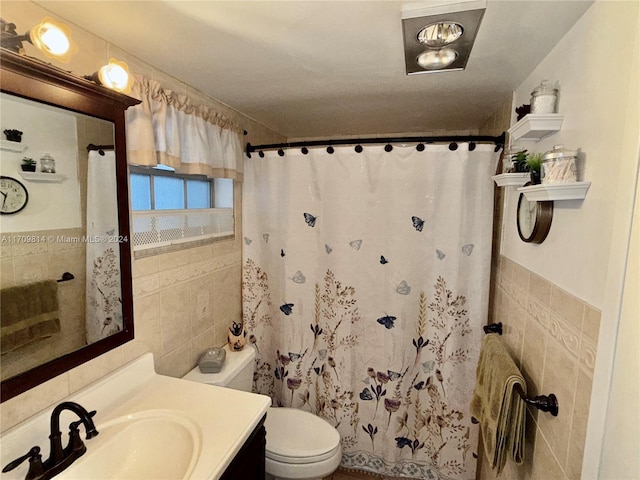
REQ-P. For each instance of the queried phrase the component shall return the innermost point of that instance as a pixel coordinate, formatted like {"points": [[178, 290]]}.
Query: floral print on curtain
{"points": [[370, 315]]}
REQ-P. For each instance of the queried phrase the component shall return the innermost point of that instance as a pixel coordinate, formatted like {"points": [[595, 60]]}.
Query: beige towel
{"points": [[28, 313], [495, 404]]}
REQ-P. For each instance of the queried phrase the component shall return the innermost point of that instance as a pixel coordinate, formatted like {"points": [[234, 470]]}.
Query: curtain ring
{"points": [[261, 154], [420, 147], [453, 146], [358, 149], [304, 150], [472, 146], [388, 147], [281, 152], [330, 149]]}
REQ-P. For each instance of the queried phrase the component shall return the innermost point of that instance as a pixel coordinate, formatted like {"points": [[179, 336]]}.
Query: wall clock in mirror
{"points": [[533, 219], [13, 195]]}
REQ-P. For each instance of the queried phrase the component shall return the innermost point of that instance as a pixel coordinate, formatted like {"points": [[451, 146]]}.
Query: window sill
{"points": [[175, 247]]}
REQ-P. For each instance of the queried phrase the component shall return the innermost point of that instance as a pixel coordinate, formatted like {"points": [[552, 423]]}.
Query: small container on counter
{"points": [[559, 165], [544, 98]]}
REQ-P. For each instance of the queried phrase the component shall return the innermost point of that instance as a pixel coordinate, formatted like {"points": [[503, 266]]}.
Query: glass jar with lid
{"points": [[544, 98], [559, 165], [47, 164], [509, 159]]}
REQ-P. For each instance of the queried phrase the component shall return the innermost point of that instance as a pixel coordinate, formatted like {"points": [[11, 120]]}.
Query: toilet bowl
{"points": [[300, 445]]}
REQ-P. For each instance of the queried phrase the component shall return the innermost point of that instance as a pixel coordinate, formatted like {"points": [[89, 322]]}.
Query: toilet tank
{"points": [[236, 372]]}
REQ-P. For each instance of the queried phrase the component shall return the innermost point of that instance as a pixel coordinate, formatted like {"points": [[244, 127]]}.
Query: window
{"points": [[171, 208]]}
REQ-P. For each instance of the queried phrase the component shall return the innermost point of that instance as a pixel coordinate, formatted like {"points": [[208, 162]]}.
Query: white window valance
{"points": [[169, 129]]}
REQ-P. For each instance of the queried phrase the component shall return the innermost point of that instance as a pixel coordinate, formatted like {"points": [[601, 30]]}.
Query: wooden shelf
{"points": [[43, 177], [15, 147], [534, 127], [511, 179], [556, 191]]}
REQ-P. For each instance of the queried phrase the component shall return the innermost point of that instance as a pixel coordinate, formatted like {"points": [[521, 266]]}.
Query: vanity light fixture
{"points": [[436, 40], [52, 38], [114, 75]]}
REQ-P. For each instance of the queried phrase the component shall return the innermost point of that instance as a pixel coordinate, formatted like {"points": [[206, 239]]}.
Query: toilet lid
{"points": [[296, 436]]}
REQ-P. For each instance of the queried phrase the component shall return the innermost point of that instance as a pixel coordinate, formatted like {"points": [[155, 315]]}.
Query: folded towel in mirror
{"points": [[28, 313]]}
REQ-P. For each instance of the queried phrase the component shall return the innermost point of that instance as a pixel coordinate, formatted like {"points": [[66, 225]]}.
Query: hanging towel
{"points": [[497, 406], [28, 313]]}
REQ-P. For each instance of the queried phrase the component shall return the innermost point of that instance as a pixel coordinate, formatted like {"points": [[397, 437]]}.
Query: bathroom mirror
{"points": [[68, 244]]}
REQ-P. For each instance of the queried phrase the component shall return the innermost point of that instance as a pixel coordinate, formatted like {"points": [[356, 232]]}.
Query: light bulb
{"points": [[53, 39], [437, 59], [440, 34], [115, 75]]}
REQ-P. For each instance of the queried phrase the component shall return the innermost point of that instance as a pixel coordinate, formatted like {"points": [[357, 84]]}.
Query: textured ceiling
{"points": [[322, 68]]}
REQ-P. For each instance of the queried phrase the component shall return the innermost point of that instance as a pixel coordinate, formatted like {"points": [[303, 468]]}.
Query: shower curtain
{"points": [[365, 288], [103, 289]]}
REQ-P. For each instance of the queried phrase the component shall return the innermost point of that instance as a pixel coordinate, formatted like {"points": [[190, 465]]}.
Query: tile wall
{"points": [[553, 337]]}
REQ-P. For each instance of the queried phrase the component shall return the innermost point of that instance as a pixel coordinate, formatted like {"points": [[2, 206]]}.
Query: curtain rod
{"points": [[498, 141], [99, 148]]}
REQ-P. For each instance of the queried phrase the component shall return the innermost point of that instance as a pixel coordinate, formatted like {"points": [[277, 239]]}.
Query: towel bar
{"points": [[546, 403], [66, 276], [493, 328]]}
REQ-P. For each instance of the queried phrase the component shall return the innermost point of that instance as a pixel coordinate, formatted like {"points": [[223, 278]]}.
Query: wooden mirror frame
{"points": [[35, 80]]}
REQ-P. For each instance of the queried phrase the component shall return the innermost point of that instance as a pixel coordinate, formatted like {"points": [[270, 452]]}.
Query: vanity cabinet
{"points": [[249, 462]]}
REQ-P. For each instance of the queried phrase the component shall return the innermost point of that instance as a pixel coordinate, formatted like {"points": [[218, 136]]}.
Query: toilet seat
{"points": [[298, 437]]}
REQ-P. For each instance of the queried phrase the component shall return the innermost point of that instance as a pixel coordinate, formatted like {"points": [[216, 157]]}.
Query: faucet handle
{"points": [[36, 469], [75, 443]]}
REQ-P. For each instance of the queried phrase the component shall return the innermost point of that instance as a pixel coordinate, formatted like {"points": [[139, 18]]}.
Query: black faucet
{"points": [[59, 458]]}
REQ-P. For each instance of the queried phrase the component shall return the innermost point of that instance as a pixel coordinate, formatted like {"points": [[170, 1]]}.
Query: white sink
{"points": [[151, 427], [152, 444]]}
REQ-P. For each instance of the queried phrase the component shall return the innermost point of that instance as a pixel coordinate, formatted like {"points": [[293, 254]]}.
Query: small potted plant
{"points": [[28, 165], [13, 135], [520, 161], [534, 165]]}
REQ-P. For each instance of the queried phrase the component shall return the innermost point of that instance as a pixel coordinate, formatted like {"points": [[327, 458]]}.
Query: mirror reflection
{"points": [[60, 275]]}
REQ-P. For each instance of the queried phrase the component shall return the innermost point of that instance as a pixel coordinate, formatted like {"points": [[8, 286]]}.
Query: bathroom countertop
{"points": [[226, 418]]}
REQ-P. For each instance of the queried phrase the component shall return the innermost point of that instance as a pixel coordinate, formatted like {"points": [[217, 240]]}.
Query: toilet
{"points": [[300, 445]]}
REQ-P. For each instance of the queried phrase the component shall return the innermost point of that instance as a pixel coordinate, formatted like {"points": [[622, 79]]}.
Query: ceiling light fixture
{"points": [[50, 37], [115, 75], [436, 40]]}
